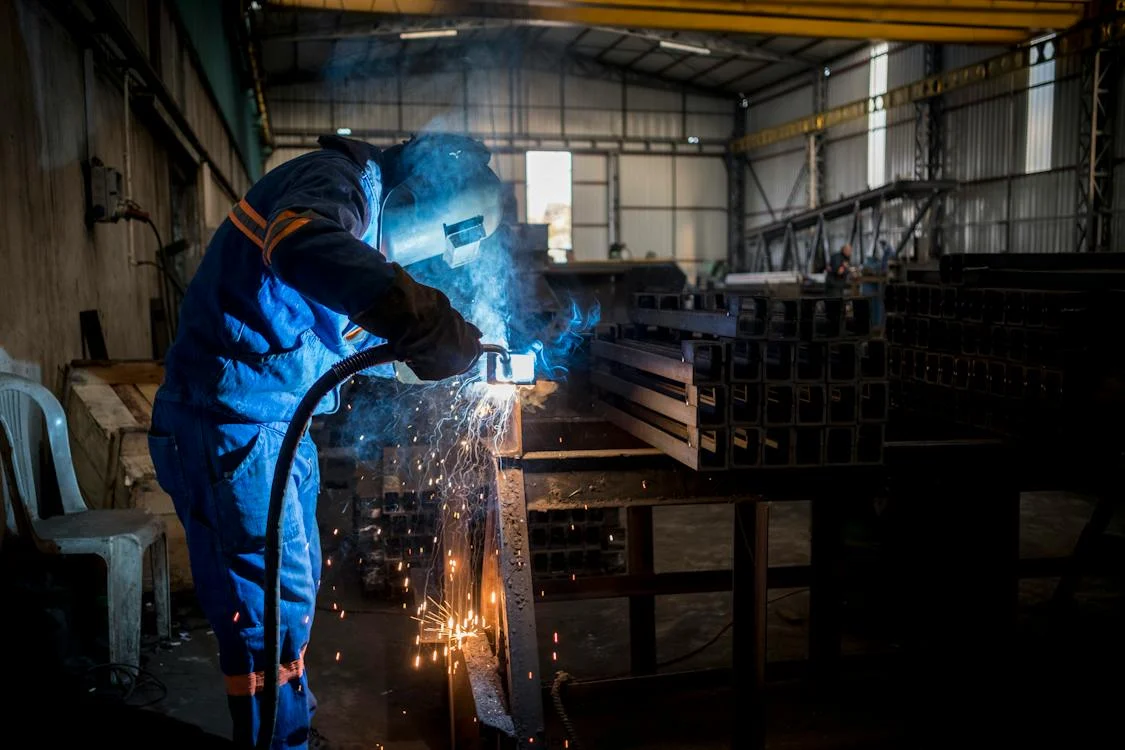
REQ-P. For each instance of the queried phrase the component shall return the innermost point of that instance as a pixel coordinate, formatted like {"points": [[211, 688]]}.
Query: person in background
{"points": [[838, 273], [876, 267]]}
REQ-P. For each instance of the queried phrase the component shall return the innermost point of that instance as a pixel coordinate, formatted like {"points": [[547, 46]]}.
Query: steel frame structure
{"points": [[925, 193], [1100, 69], [909, 20], [498, 684], [1072, 42]]}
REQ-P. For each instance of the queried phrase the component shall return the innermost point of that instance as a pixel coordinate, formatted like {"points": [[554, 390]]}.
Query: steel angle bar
{"points": [[720, 324], [694, 362], [519, 651], [695, 448], [699, 405]]}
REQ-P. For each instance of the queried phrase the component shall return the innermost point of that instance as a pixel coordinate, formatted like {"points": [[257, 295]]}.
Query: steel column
{"points": [[816, 142], [1094, 216], [929, 152], [736, 197], [748, 604], [642, 608]]}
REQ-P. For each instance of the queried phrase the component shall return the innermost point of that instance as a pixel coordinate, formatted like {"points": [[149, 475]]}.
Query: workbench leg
{"points": [[825, 615], [642, 609], [748, 605]]}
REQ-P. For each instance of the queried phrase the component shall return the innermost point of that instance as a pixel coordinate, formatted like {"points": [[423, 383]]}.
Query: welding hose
{"points": [[324, 385], [339, 372]]}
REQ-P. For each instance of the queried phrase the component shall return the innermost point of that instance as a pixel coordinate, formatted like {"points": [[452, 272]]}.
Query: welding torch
{"points": [[501, 367]]}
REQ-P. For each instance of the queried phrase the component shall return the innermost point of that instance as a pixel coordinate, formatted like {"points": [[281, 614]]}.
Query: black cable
{"points": [[561, 678], [299, 424], [132, 679], [697, 651]]}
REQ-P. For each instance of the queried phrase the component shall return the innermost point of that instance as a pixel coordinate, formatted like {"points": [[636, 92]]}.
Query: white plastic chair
{"points": [[120, 537]]}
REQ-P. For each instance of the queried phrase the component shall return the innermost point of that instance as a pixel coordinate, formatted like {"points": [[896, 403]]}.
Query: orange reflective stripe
{"points": [[254, 215], [255, 682], [241, 226], [353, 333], [286, 223]]}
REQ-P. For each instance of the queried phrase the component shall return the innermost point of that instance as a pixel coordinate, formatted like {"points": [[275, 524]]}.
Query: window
{"points": [[1040, 106], [877, 119], [549, 196]]}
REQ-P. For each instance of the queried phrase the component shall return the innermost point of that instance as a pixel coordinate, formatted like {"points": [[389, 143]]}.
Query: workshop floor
{"points": [[371, 696]]}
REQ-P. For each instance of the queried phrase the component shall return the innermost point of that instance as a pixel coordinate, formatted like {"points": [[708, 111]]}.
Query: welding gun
{"points": [[501, 367]]}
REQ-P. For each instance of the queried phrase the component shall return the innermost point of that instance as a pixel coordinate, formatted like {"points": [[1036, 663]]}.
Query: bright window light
{"points": [[550, 195], [343, 131], [877, 119], [1040, 107]]}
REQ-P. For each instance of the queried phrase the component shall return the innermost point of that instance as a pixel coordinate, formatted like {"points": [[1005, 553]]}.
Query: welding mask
{"points": [[446, 201]]}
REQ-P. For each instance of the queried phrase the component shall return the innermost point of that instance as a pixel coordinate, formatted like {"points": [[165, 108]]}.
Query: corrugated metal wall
{"points": [[999, 207], [669, 197], [780, 187], [55, 109]]}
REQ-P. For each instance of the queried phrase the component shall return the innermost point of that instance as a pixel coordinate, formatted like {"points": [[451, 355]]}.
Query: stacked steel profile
{"points": [[1011, 344], [721, 380]]}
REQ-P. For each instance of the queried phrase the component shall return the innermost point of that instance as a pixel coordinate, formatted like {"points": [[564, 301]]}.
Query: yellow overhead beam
{"points": [[947, 21], [1070, 43]]}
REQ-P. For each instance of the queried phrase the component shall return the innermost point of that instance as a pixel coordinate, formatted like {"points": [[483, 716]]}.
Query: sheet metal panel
{"points": [[589, 167], [585, 92], [780, 109], [709, 125], [845, 164], [646, 180], [700, 235], [590, 243], [700, 182], [584, 121], [647, 230], [1043, 208], [900, 150], [590, 204], [777, 175], [979, 141]]}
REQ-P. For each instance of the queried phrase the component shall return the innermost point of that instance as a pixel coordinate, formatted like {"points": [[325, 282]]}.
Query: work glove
{"points": [[423, 328]]}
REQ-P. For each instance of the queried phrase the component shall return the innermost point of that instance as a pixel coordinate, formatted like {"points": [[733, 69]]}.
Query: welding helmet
{"points": [[445, 200]]}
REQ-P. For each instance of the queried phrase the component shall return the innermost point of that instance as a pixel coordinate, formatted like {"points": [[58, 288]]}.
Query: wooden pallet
{"points": [[108, 407]]}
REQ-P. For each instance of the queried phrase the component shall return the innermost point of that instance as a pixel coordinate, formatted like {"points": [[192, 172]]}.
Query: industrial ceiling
{"points": [[715, 46]]}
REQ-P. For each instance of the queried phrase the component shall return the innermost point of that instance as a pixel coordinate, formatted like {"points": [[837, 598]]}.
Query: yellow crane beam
{"points": [[943, 21], [1070, 43]]}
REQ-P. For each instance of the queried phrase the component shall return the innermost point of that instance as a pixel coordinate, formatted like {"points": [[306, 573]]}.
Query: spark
{"points": [[337, 656], [417, 661], [236, 617]]}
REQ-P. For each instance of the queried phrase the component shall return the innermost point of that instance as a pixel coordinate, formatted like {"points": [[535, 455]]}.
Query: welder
{"points": [[307, 269]]}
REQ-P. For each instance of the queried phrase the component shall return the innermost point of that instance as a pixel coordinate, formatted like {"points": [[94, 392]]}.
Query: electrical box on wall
{"points": [[103, 192]]}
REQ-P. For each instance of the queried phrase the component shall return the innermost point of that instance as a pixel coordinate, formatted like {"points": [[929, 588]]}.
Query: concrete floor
{"points": [[371, 696]]}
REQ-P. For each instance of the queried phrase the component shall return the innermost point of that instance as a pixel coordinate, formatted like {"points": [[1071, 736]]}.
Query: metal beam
{"points": [[1100, 68], [384, 29], [962, 21], [481, 55], [1073, 42], [737, 167]]}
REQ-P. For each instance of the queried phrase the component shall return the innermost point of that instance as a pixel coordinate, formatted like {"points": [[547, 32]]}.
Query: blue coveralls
{"points": [[265, 315]]}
